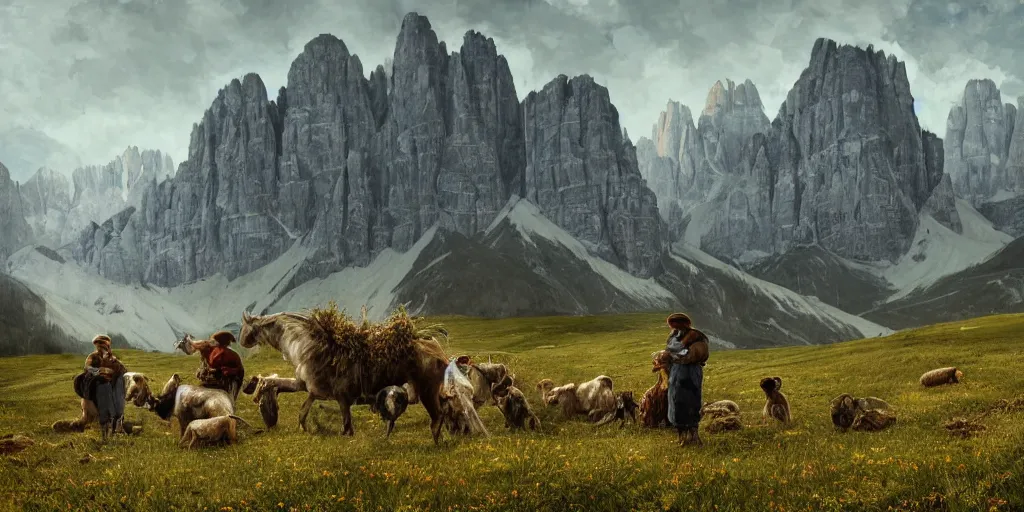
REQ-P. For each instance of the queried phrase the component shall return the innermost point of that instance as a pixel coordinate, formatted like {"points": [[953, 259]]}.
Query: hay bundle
{"points": [[378, 351], [724, 423]]}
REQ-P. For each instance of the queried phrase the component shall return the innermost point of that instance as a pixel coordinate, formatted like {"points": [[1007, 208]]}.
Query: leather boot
{"points": [[695, 437]]}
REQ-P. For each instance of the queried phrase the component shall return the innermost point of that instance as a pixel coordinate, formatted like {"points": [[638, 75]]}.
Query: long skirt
{"points": [[684, 395], [110, 400]]}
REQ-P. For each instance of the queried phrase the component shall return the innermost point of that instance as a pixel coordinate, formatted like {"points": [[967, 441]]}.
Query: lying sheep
{"points": [[594, 398], [942, 376], [209, 431], [719, 409]]}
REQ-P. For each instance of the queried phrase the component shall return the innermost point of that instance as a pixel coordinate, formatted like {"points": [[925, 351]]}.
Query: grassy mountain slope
{"points": [[568, 466]]}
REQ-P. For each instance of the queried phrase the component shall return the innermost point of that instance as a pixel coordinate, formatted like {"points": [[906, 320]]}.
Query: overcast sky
{"points": [[99, 75]]}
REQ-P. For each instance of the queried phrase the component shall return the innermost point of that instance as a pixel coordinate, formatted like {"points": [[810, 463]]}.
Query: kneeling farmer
{"points": [[222, 367], [688, 348]]}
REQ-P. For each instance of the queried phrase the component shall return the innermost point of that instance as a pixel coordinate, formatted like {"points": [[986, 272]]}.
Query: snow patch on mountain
{"points": [[373, 285], [530, 222], [937, 251], [786, 300]]}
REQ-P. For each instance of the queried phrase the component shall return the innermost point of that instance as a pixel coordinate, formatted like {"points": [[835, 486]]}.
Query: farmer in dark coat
{"points": [[688, 348], [107, 373]]}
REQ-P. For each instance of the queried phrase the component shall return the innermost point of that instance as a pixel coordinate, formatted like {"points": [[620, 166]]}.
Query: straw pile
{"points": [[374, 346]]}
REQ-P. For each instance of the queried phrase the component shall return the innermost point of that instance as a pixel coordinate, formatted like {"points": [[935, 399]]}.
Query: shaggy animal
{"points": [[265, 398], [873, 420], [483, 376], [654, 403], [724, 423], [594, 398], [941, 376], [189, 403], [210, 431], [516, 410], [544, 387], [391, 402], [625, 406], [776, 404], [137, 392], [329, 368], [719, 409], [863, 414]]}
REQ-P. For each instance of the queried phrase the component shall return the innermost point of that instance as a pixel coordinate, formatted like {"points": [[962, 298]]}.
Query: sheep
{"points": [[390, 403], [211, 431], [483, 376], [869, 414], [719, 409], [776, 404], [595, 398], [942, 376], [189, 403], [544, 387], [625, 406]]}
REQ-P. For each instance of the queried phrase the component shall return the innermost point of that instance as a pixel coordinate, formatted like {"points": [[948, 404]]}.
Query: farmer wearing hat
{"points": [[222, 367], [108, 372], [688, 351]]}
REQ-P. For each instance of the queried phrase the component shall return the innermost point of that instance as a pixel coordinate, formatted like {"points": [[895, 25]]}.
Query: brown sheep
{"points": [[210, 431], [724, 423], [942, 376], [862, 414], [776, 404], [654, 403], [594, 398]]}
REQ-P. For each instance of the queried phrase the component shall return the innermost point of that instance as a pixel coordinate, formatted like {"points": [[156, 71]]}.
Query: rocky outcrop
{"points": [[942, 205], [583, 174], [14, 231], [979, 133], [682, 162], [58, 209], [845, 166], [351, 166], [47, 199], [985, 154]]}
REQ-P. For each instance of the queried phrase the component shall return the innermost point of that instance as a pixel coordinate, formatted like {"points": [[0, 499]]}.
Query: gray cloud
{"points": [[99, 75]]}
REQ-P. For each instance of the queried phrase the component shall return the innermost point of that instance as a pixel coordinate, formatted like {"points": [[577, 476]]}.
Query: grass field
{"points": [[915, 465]]}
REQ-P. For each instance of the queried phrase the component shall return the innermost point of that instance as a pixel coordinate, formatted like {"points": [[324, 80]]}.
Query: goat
{"points": [[595, 398]]}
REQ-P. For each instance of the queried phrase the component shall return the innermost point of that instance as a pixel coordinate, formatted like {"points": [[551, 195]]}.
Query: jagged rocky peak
{"points": [[730, 97], [675, 123], [845, 166], [582, 177], [352, 165], [980, 131], [46, 190]]}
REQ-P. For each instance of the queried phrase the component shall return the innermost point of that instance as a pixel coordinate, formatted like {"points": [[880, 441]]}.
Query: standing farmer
{"points": [[108, 371], [688, 348]]}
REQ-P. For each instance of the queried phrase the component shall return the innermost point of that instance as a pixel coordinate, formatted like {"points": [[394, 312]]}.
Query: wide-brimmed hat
{"points": [[679, 318], [224, 338], [101, 339]]}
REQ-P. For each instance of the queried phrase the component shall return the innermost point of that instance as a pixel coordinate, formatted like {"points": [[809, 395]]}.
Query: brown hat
{"points": [[224, 338], [679, 318], [101, 339]]}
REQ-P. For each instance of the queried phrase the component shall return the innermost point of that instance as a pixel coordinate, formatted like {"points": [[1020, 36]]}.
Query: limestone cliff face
{"points": [[984, 153], [845, 166], [683, 161], [352, 165]]}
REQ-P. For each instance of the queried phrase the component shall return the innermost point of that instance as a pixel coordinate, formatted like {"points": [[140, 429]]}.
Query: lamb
{"points": [[595, 398], [211, 431], [513, 405], [942, 376], [719, 409]]}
